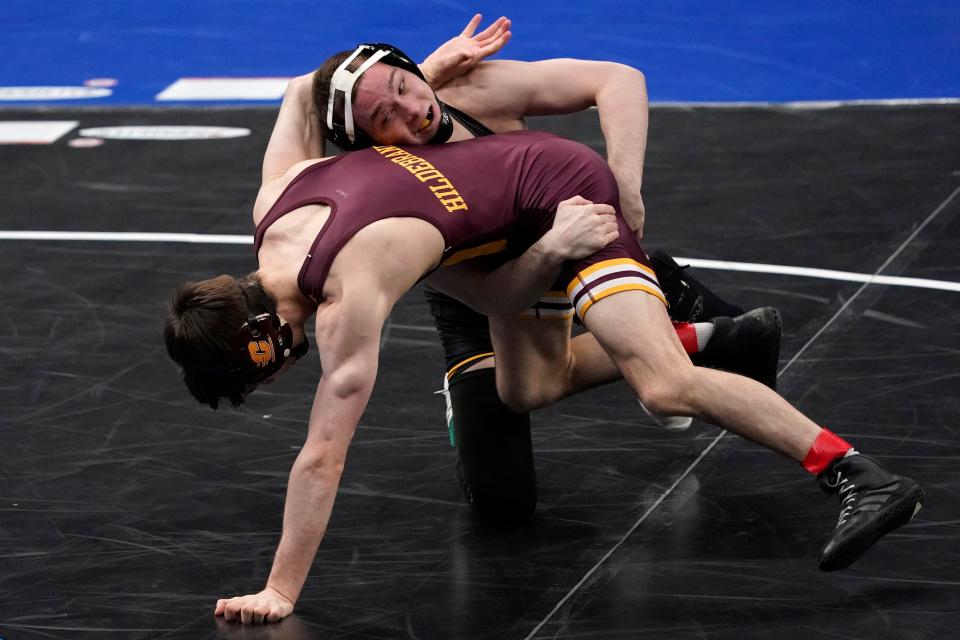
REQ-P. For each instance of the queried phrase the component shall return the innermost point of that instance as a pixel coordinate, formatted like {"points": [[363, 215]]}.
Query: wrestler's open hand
{"points": [[581, 228], [461, 53], [266, 606]]}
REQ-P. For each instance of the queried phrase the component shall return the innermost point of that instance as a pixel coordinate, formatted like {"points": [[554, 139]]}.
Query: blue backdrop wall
{"points": [[691, 50]]}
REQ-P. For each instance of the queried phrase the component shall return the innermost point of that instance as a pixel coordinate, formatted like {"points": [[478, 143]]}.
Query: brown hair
{"points": [[203, 319], [321, 86]]}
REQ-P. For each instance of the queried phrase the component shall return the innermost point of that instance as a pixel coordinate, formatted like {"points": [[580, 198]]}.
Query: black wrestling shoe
{"points": [[689, 299], [748, 345], [873, 502]]}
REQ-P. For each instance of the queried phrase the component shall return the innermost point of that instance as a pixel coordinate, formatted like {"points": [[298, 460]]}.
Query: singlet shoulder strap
{"points": [[290, 200], [473, 125]]}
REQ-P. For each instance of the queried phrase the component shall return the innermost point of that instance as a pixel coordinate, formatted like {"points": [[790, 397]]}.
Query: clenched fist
{"points": [[266, 606]]}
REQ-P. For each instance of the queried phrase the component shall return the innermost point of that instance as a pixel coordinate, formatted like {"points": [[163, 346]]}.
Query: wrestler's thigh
{"points": [[592, 366], [532, 355], [522, 343], [634, 328]]}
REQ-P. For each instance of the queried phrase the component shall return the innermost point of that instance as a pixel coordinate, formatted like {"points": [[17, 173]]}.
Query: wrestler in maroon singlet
{"points": [[485, 196]]}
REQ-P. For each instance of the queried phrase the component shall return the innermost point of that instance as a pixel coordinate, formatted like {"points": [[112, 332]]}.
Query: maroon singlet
{"points": [[487, 195]]}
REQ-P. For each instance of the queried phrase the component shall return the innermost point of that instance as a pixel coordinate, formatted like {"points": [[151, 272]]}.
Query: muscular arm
{"points": [[503, 91], [509, 289], [348, 338], [579, 228], [296, 136], [347, 335]]}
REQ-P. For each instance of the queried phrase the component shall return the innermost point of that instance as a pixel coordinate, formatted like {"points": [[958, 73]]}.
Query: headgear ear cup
{"points": [[252, 325], [261, 348]]}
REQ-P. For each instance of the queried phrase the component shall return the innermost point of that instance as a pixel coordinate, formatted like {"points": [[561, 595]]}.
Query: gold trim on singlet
{"points": [[456, 368], [483, 250]]}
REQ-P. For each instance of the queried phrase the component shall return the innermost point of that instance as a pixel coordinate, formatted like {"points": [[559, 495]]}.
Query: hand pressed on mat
{"points": [[267, 606]]}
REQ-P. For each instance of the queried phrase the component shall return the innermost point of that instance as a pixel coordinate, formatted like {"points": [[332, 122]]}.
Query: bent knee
{"points": [[526, 395], [540, 387], [521, 398], [670, 395]]}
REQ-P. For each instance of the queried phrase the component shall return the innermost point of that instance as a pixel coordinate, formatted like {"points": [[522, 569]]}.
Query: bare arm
{"points": [[510, 90], [347, 336], [349, 341], [507, 290], [296, 135], [579, 229]]}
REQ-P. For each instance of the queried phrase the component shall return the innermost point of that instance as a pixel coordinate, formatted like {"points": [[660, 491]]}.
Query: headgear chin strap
{"points": [[262, 346], [445, 130], [340, 123]]}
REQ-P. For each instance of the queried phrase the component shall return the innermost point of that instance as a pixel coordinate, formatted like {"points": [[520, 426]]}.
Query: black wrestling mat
{"points": [[128, 509]]}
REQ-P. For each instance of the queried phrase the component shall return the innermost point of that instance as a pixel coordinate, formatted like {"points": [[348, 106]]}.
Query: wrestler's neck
{"points": [[460, 132], [292, 306], [497, 122]]}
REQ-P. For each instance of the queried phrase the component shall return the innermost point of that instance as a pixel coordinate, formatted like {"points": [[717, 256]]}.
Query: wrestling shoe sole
{"points": [[886, 520]]}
